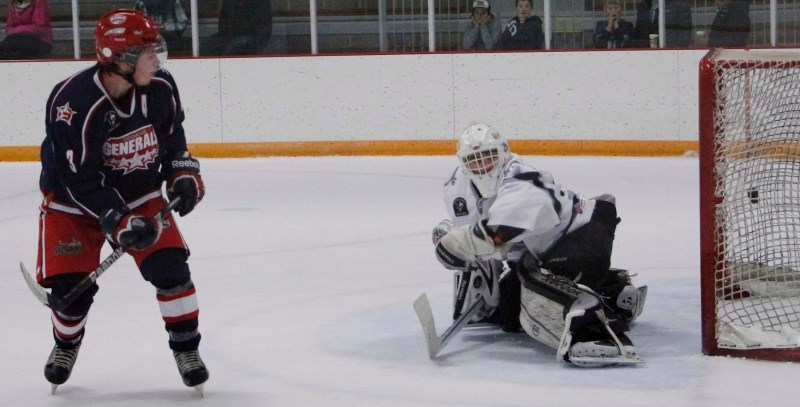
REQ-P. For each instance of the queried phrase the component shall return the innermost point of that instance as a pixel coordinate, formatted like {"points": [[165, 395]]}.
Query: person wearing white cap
{"points": [[484, 28]]}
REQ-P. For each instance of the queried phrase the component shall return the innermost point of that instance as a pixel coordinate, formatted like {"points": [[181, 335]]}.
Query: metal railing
{"points": [[399, 26]]}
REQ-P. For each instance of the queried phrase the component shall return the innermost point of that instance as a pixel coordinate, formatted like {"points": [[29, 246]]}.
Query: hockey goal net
{"points": [[750, 203]]}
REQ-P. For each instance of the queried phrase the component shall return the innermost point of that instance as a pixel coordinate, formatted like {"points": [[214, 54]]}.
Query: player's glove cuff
{"points": [[184, 181], [128, 230]]}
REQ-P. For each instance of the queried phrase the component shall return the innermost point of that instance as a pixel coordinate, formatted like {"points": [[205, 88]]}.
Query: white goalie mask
{"points": [[482, 154]]}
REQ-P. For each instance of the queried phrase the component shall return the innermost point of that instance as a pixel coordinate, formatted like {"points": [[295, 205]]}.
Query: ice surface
{"points": [[307, 268]]}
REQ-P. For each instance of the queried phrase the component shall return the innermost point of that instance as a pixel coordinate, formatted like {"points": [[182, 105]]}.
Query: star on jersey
{"points": [[65, 114], [138, 161]]}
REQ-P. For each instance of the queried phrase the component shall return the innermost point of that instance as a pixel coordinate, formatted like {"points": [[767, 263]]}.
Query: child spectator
{"points": [[613, 32], [28, 31], [523, 31], [484, 28]]}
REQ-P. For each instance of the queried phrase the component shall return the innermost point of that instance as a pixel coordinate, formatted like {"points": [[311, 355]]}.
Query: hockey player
{"points": [[557, 244], [114, 134]]}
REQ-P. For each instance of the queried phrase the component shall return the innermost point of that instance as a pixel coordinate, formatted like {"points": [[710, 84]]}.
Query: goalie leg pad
{"points": [[483, 281], [553, 307], [541, 317]]}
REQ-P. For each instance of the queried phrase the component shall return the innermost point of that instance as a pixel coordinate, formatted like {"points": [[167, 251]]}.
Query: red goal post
{"points": [[750, 203]]}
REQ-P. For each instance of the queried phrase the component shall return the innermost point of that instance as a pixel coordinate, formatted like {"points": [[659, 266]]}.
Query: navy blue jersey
{"points": [[100, 153]]}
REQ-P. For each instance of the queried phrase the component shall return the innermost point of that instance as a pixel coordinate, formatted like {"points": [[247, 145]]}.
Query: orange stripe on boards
{"points": [[442, 147], [406, 147], [323, 148], [19, 153], [632, 148]]}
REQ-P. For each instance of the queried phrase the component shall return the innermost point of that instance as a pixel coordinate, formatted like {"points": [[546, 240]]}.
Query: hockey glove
{"points": [[135, 232], [441, 229], [465, 244], [184, 181]]}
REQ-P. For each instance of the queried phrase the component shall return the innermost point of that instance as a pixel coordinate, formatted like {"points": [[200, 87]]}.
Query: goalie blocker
{"points": [[572, 319]]}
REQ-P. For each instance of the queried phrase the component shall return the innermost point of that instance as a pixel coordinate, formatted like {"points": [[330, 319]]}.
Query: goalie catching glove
{"points": [[129, 230], [184, 181], [465, 244]]}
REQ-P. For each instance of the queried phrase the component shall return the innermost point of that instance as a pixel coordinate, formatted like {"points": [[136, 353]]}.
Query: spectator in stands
{"points": [[171, 17], [484, 28], [524, 31], [28, 31], [245, 27], [678, 22], [613, 32], [731, 26]]}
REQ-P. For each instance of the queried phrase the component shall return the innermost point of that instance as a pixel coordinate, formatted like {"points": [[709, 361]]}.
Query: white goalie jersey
{"points": [[527, 199]]}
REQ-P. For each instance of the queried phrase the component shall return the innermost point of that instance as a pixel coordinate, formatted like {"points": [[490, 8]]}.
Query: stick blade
{"points": [[43, 296], [423, 309]]}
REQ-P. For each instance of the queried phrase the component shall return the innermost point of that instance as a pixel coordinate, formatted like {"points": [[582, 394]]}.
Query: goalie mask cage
{"points": [[750, 204]]}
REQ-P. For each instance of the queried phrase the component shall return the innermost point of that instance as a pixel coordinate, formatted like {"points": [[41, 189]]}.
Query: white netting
{"points": [[757, 166]]}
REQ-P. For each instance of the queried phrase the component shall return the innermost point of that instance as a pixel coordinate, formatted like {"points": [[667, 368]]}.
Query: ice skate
{"points": [[59, 365], [192, 369]]}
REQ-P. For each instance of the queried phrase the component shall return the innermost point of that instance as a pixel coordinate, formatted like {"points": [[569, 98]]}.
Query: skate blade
{"points": [[605, 361]]}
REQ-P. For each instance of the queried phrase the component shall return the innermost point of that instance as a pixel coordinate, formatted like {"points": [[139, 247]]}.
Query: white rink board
{"points": [[338, 98], [199, 86], [576, 95], [590, 95]]}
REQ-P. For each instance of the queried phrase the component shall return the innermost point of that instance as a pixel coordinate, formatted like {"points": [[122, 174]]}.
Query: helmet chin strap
{"points": [[127, 76]]}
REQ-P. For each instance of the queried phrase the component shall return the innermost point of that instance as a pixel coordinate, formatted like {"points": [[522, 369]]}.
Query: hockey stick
{"points": [[436, 343], [60, 303]]}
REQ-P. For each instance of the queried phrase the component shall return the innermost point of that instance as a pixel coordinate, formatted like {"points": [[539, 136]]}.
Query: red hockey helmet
{"points": [[120, 35]]}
